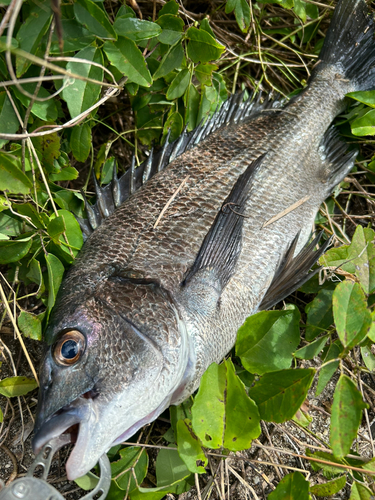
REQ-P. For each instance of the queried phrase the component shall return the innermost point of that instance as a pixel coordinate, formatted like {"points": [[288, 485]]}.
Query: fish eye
{"points": [[69, 348]]}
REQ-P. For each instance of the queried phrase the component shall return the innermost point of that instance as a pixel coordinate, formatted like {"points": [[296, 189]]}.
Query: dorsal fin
{"points": [[109, 197], [222, 245], [293, 271]]}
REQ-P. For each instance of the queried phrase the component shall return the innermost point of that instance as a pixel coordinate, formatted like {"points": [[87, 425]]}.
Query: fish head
{"points": [[112, 365]]}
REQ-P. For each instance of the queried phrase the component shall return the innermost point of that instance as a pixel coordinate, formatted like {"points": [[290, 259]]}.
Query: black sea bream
{"points": [[190, 244]]}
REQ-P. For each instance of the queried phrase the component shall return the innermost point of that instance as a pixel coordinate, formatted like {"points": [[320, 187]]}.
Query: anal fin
{"points": [[221, 246], [293, 271]]}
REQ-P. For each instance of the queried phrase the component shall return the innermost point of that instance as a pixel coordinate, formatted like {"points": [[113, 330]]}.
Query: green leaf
{"points": [[267, 340], [9, 123], [127, 58], [368, 357], [346, 416], [10, 225], [81, 95], [171, 60], [209, 102], [65, 174], [31, 32], [280, 394], [136, 29], [66, 222], [191, 99], [330, 488], [319, 314], [223, 414], [12, 179], [170, 467], [292, 487], [311, 350], [329, 471], [205, 25], [364, 125], [175, 124], [179, 85], [55, 274], [219, 84], [31, 325], [75, 37], [189, 447], [337, 257], [45, 110], [48, 148], [204, 73], [172, 29], [17, 386], [80, 141], [241, 11], [360, 492], [365, 96], [170, 7], [352, 318], [94, 19], [361, 253], [35, 275], [202, 46], [133, 461], [15, 250], [87, 482]]}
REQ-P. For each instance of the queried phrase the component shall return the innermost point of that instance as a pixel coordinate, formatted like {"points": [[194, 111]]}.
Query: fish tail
{"points": [[349, 44]]}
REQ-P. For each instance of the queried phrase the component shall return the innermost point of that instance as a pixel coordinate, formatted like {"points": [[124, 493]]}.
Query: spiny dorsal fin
{"points": [[221, 246], [293, 271], [109, 197]]}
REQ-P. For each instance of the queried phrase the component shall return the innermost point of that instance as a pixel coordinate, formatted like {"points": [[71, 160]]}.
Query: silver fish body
{"points": [[156, 296]]}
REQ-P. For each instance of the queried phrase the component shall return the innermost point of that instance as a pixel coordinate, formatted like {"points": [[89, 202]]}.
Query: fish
{"points": [[182, 249]]}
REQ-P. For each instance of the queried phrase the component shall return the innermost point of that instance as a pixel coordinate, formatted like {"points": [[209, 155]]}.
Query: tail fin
{"points": [[350, 43]]}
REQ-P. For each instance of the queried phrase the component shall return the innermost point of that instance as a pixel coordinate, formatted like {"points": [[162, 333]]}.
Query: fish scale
{"points": [[217, 231]]}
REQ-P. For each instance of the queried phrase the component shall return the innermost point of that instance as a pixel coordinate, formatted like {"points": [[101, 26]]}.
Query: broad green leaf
{"points": [[337, 257], [191, 99], [368, 357], [45, 110], [94, 19], [12, 179], [65, 174], [55, 274], [360, 492], [136, 29], [1, 416], [127, 58], [361, 253], [66, 222], [223, 414], [17, 386], [172, 29], [9, 123], [48, 148], [80, 141], [170, 7], [319, 314], [241, 11], [352, 318], [327, 371], [219, 84], [171, 60], [4, 204], [205, 25], [202, 47], [14, 250], [309, 351], [159, 493], [329, 471], [330, 488], [87, 482], [170, 468], [31, 32], [209, 102], [179, 85], [189, 448], [133, 461], [75, 37], [364, 125], [204, 73], [31, 325], [280, 394], [293, 486], [175, 124], [29, 212], [81, 95], [365, 96], [267, 340], [180, 412], [10, 226], [346, 416], [35, 275]]}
